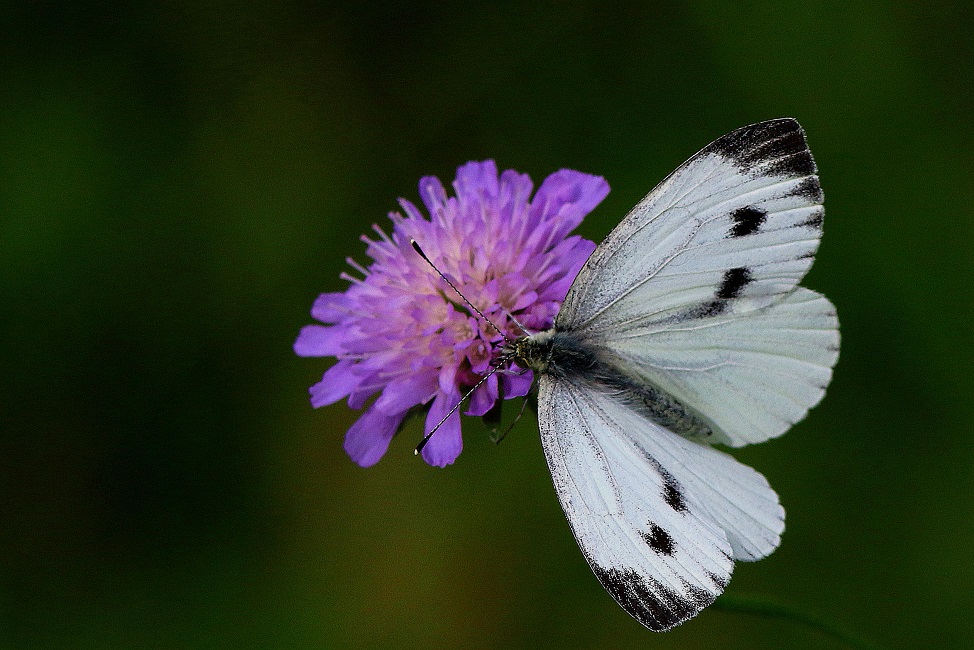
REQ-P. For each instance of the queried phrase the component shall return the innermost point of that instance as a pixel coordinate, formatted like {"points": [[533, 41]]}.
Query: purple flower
{"points": [[401, 331]]}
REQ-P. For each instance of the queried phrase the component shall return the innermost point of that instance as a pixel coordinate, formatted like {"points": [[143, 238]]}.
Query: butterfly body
{"points": [[566, 357], [686, 327]]}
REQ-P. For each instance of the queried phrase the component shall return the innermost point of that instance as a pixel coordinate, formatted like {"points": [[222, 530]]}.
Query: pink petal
{"points": [[448, 378], [475, 179], [447, 443], [570, 195], [320, 341], [517, 384], [330, 307], [368, 439], [411, 210], [526, 299], [515, 191], [402, 394], [433, 193], [484, 397], [337, 382]]}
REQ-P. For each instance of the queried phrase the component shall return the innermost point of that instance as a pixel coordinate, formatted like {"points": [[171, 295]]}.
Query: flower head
{"points": [[402, 332]]}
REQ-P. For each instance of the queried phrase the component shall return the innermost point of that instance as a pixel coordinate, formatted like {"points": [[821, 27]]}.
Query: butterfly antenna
{"points": [[463, 399], [419, 250], [517, 418], [526, 331]]}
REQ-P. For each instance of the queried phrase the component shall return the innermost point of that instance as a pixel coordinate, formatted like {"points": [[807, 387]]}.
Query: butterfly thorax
{"points": [[566, 356], [553, 353]]}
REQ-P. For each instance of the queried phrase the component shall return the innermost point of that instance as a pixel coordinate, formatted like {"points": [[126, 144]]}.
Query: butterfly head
{"points": [[531, 351]]}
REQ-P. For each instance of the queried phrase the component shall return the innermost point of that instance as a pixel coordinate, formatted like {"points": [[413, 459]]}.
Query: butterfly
{"points": [[686, 328]]}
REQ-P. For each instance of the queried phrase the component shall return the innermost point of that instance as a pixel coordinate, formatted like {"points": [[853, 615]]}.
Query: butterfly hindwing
{"points": [[658, 517], [751, 375]]}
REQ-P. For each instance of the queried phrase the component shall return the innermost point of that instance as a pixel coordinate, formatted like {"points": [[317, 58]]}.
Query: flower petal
{"points": [[517, 383], [475, 180], [337, 382], [484, 397], [330, 307], [410, 209], [319, 341], [572, 262], [433, 193], [447, 443], [525, 300], [368, 439], [569, 195], [402, 394], [448, 379]]}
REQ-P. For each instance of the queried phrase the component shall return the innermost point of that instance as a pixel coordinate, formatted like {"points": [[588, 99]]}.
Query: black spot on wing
{"points": [[747, 221], [706, 310], [673, 496], [733, 283], [672, 490], [777, 145], [659, 540], [648, 601], [731, 287]]}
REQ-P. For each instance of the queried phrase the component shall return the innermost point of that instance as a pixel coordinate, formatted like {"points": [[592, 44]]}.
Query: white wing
{"points": [[658, 517], [750, 200], [695, 292], [751, 375]]}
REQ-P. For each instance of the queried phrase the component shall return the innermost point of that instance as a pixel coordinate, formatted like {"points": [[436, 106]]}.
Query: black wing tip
{"points": [[651, 603], [778, 146], [809, 189], [778, 127]]}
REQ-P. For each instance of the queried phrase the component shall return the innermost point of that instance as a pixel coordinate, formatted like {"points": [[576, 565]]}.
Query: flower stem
{"points": [[771, 609]]}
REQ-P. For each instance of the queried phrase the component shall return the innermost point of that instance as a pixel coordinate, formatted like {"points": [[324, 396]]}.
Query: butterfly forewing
{"points": [[695, 291], [740, 219]]}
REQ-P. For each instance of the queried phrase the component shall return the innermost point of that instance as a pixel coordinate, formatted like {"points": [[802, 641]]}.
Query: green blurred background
{"points": [[179, 180]]}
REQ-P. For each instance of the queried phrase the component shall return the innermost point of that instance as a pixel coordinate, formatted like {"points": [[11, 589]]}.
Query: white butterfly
{"points": [[685, 328]]}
